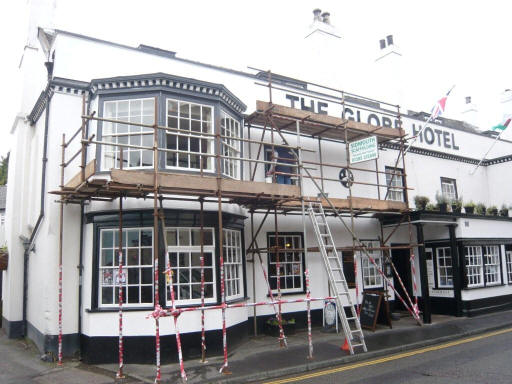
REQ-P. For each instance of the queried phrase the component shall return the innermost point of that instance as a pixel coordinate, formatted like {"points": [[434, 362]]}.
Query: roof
{"points": [[3, 196]]}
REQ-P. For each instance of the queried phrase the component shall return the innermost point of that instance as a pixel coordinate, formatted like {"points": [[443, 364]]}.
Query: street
{"points": [[481, 359]]}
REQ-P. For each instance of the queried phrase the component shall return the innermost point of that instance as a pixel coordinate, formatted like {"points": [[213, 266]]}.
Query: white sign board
{"points": [[363, 150]]}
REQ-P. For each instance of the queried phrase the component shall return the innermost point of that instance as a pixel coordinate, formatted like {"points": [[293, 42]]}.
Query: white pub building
{"points": [[462, 264]]}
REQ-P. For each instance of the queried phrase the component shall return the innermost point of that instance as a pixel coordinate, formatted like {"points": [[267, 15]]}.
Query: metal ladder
{"points": [[337, 281]]}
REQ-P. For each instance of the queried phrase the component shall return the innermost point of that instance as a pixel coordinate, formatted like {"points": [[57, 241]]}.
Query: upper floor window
{"points": [[395, 183], [230, 132], [129, 111], [195, 120], [449, 188]]}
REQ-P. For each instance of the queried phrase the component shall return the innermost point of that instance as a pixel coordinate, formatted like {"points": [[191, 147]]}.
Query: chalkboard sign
{"points": [[374, 309], [370, 308]]}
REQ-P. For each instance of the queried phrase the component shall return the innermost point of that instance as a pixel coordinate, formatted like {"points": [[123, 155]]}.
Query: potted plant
{"points": [[430, 207], [504, 211], [272, 326], [421, 202], [4, 258], [469, 207], [480, 209], [492, 211], [457, 205], [442, 202]]}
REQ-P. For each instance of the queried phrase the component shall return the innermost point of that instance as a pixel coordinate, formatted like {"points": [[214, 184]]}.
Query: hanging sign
{"points": [[363, 150]]}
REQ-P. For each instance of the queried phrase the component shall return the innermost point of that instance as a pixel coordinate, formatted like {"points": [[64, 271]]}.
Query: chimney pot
{"points": [[389, 38], [316, 14], [326, 17], [468, 99], [382, 43]]}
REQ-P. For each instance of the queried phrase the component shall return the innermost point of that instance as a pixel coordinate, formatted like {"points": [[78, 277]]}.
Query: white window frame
{"points": [[508, 260], [444, 269], [492, 260], [287, 262], [114, 251], [230, 127], [370, 275], [210, 248], [135, 135], [202, 139], [449, 188], [395, 194], [474, 264], [233, 264]]}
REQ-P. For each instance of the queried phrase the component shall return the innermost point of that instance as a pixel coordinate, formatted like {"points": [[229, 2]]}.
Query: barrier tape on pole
{"points": [[279, 316], [281, 331], [224, 369], [60, 316], [415, 286], [120, 278], [308, 297], [157, 326], [175, 313], [358, 307]]}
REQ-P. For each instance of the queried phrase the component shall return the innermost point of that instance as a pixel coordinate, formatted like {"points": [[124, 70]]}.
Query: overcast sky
{"points": [[466, 43]]}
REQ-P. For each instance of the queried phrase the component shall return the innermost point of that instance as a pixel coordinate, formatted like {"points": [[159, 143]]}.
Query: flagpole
{"points": [[486, 153]]}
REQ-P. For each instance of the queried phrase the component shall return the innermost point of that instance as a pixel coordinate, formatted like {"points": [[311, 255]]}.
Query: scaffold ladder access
{"points": [[337, 281]]}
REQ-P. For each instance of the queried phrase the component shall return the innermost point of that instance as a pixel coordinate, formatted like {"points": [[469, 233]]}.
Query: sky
{"points": [[443, 43]]}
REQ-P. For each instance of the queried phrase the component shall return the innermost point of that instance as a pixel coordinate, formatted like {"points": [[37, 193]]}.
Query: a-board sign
{"points": [[363, 150], [372, 305]]}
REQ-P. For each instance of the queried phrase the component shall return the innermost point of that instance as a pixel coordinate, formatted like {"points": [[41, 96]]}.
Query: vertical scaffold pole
{"points": [[203, 336], [155, 241], [277, 250], [224, 369], [308, 298], [119, 374], [61, 238]]}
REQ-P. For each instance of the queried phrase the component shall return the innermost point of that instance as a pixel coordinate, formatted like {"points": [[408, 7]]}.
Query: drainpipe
{"points": [[29, 245]]}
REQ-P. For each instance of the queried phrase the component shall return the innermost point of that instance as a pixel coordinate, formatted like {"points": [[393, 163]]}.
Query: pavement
{"points": [[258, 359]]}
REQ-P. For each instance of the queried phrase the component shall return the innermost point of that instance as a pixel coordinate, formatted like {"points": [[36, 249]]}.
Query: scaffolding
{"points": [[277, 124]]}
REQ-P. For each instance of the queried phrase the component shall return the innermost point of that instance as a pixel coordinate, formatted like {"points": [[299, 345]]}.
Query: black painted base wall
{"points": [[13, 329], [486, 305], [300, 320], [141, 349]]}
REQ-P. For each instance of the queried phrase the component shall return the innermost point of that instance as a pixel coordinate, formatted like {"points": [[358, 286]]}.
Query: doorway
{"points": [[400, 258]]}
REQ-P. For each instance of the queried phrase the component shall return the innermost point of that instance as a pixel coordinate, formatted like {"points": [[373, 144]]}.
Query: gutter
{"points": [[29, 245]]}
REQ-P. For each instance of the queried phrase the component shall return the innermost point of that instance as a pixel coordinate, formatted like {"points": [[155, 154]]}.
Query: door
{"points": [[400, 258]]}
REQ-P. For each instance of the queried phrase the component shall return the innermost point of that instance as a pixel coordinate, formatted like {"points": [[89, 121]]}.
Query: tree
{"points": [[4, 166]]}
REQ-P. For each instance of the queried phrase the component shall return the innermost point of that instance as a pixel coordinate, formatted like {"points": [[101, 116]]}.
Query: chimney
{"points": [[389, 39], [326, 17], [388, 73], [316, 15], [382, 43], [470, 111]]}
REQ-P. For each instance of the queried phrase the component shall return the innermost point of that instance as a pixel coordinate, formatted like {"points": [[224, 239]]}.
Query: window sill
{"points": [[287, 293], [116, 309]]}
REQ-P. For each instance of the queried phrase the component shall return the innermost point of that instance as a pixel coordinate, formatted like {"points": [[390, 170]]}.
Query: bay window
{"points": [[128, 111], [196, 120], [232, 244], [137, 278], [230, 130]]}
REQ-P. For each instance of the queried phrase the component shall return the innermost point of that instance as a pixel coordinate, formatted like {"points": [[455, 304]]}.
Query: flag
{"points": [[503, 125], [440, 106]]}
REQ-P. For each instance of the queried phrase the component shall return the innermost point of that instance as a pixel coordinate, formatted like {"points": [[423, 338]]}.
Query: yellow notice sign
{"points": [[363, 150]]}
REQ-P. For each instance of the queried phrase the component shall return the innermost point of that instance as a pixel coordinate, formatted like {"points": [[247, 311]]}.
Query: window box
{"points": [[272, 327]]}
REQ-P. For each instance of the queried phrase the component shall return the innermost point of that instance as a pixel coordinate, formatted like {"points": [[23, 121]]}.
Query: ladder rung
{"points": [[351, 318], [339, 281]]}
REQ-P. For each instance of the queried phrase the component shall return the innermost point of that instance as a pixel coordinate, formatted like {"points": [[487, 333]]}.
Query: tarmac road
{"points": [[485, 358]]}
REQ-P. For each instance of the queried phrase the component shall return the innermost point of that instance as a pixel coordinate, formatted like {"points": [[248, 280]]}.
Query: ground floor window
{"points": [[232, 244], [492, 264], [184, 255], [508, 255], [483, 265], [137, 278], [291, 262], [444, 267], [371, 275]]}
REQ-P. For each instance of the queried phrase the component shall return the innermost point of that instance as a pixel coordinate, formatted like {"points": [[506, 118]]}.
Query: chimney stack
{"points": [[316, 15], [326, 17], [470, 112]]}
